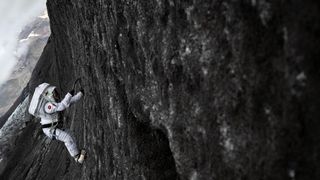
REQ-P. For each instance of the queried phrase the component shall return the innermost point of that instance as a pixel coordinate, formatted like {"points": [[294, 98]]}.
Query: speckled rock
{"points": [[181, 90]]}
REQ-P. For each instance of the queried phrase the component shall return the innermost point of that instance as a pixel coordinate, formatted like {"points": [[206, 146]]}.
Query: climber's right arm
{"points": [[76, 97]]}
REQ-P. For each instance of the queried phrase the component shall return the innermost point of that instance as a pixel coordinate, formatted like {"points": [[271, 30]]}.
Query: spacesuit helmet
{"points": [[52, 94]]}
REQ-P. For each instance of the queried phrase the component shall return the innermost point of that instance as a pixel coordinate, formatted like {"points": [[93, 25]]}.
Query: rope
{"points": [[53, 128], [77, 81]]}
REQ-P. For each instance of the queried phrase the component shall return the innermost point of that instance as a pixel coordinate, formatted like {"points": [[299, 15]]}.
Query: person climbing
{"points": [[44, 104]]}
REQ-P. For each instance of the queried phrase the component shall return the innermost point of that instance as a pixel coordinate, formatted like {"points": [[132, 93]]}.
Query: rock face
{"points": [[14, 125], [181, 90]]}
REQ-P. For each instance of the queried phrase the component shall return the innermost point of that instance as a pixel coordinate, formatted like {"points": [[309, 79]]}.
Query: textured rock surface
{"points": [[10, 131], [181, 90]]}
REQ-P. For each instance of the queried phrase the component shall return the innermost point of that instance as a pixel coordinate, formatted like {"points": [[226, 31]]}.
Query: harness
{"points": [[53, 127], [49, 125]]}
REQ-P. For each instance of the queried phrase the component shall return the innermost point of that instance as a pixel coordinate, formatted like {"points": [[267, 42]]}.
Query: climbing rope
{"points": [[77, 81]]}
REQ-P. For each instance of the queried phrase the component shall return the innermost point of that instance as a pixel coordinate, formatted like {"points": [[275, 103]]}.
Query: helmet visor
{"points": [[56, 95]]}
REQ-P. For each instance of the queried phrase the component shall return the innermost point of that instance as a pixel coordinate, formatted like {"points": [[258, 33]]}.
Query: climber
{"points": [[44, 105]]}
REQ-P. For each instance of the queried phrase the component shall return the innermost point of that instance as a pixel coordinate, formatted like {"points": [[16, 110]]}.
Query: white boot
{"points": [[80, 157]]}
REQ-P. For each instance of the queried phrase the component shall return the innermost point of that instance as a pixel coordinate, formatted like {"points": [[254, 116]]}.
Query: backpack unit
{"points": [[38, 101]]}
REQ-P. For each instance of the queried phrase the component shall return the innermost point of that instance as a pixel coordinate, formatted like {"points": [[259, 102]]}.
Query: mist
{"points": [[15, 14]]}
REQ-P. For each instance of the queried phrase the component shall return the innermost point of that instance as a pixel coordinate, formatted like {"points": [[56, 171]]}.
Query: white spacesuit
{"points": [[44, 105]]}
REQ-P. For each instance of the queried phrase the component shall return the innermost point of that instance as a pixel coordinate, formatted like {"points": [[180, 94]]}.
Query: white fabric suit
{"points": [[52, 108]]}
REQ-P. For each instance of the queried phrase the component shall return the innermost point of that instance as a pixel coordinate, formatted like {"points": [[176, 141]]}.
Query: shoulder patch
{"points": [[49, 107]]}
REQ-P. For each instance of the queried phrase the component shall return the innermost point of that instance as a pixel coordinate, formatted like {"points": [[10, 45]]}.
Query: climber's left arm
{"points": [[54, 107]]}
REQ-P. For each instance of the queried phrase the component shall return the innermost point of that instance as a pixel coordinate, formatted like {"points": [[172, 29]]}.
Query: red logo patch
{"points": [[49, 107]]}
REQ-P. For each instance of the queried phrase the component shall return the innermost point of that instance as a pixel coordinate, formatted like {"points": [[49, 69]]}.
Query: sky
{"points": [[14, 15]]}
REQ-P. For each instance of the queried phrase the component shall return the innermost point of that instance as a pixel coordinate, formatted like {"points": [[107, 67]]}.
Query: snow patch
{"points": [[119, 122], [265, 12], [189, 11], [292, 173], [226, 139], [226, 142], [253, 2], [194, 175], [188, 51], [33, 34], [204, 70], [301, 77], [267, 110], [44, 15]]}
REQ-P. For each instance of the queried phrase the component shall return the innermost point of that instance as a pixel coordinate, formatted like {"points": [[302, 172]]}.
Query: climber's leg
{"points": [[68, 141]]}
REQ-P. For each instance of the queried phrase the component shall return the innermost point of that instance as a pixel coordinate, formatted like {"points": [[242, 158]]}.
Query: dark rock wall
{"points": [[204, 89]]}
